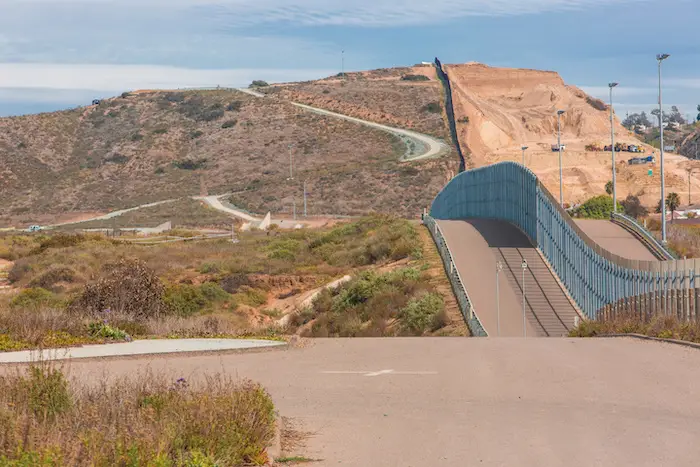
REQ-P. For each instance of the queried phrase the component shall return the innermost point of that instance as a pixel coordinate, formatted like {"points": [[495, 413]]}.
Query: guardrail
{"points": [[594, 277], [631, 225], [465, 304]]}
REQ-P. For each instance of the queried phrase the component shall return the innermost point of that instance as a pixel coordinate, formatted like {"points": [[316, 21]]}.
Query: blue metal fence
{"points": [[595, 278]]}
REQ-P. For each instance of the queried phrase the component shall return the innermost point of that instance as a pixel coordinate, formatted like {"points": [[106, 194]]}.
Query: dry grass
{"points": [[147, 419], [666, 327], [159, 145]]}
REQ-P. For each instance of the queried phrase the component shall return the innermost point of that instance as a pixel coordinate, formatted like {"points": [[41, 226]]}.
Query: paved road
{"points": [[463, 402], [477, 246], [615, 239]]}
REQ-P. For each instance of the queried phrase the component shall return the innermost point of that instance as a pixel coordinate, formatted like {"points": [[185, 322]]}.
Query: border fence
{"points": [[449, 109], [601, 283]]}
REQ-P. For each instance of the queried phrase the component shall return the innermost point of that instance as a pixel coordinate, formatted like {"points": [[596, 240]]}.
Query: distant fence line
{"points": [[596, 278], [449, 109]]}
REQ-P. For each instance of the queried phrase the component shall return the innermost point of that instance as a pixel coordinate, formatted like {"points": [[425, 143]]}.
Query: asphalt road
{"points": [[464, 402], [615, 239]]}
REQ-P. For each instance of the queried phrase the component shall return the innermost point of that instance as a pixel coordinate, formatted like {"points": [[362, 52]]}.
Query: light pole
{"points": [[524, 266], [524, 148], [304, 198], [660, 58], [612, 147], [561, 170], [499, 268], [291, 163]]}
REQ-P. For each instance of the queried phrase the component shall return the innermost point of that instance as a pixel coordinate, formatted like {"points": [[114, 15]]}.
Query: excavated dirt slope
{"points": [[507, 108]]}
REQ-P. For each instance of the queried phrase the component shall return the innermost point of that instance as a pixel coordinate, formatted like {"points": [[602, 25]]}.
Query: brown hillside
{"points": [[155, 145], [507, 108], [380, 96]]}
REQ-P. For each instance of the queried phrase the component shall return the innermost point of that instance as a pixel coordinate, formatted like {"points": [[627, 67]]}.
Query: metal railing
{"points": [[631, 225], [594, 277], [465, 303]]}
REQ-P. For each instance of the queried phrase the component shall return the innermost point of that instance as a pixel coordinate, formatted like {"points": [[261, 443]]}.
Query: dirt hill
{"points": [[151, 146], [501, 109]]}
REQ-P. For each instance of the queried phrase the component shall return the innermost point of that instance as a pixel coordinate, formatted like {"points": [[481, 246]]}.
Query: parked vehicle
{"points": [[555, 147], [34, 228], [636, 161]]}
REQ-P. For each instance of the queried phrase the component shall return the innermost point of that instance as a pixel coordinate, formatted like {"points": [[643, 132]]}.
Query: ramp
{"points": [[616, 239], [477, 245]]}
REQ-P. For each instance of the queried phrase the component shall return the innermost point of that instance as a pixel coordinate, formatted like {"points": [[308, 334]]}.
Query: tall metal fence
{"points": [[449, 110], [597, 279]]}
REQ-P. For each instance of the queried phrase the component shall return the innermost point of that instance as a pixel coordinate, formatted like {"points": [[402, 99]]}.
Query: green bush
{"points": [[433, 108], [251, 297], [35, 298], [258, 84], [599, 207], [234, 106], [196, 134], [411, 77], [160, 131], [229, 123], [105, 331], [187, 300], [423, 314], [46, 391], [190, 164]]}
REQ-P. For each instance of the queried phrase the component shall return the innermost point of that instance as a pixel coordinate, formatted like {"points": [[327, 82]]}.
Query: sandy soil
{"points": [[508, 108]]}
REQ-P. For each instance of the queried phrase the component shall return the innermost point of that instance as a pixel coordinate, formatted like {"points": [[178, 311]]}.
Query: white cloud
{"points": [[687, 83], [116, 78], [340, 12]]}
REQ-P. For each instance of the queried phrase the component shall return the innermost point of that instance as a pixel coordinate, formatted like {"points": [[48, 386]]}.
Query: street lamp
{"points": [[660, 58], [561, 170], [524, 267], [291, 163], [499, 268], [612, 147], [524, 148]]}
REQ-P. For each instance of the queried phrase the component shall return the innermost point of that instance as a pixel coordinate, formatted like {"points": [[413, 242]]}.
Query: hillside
{"points": [[151, 145], [408, 98], [502, 109]]}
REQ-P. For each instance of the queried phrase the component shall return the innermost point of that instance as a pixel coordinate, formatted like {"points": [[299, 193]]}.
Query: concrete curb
{"points": [[654, 339]]}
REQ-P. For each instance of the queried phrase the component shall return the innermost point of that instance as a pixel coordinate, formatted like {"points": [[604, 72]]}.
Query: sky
{"points": [[57, 54]]}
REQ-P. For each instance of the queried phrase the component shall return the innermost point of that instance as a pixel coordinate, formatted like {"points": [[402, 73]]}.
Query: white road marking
{"points": [[380, 373]]}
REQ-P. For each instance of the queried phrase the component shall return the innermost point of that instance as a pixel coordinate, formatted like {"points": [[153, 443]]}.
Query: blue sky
{"points": [[62, 53]]}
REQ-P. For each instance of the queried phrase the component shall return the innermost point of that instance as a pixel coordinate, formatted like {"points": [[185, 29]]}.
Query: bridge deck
{"points": [[615, 239], [477, 245]]}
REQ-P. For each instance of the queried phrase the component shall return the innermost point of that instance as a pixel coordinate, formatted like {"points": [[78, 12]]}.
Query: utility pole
{"points": [[561, 170], [524, 148], [612, 148], [304, 198], [524, 267], [499, 268], [291, 163], [660, 58]]}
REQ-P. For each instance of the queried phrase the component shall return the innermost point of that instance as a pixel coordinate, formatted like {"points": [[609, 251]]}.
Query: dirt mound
{"points": [[501, 109]]}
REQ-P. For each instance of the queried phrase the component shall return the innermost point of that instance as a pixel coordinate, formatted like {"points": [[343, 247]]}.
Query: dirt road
{"points": [[456, 402]]}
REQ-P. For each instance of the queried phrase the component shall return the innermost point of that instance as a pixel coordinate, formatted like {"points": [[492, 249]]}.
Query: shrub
{"points": [[128, 288], [433, 108], [159, 171], [55, 275], [125, 95], [258, 84], [250, 297], [234, 106], [464, 119], [196, 134], [186, 300], [160, 131], [117, 159], [34, 299], [229, 123], [633, 207], [423, 314], [60, 240], [46, 391], [190, 164], [411, 77], [105, 331], [136, 137], [598, 207]]}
